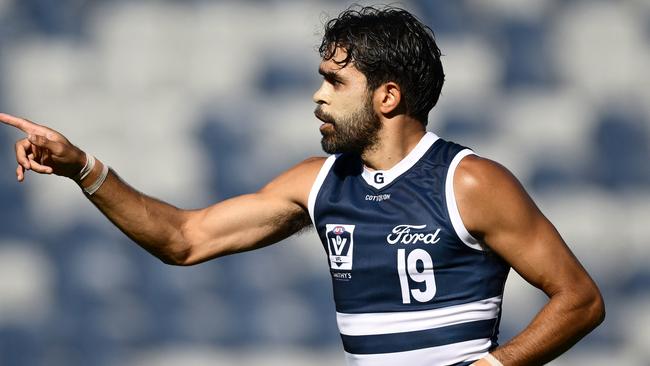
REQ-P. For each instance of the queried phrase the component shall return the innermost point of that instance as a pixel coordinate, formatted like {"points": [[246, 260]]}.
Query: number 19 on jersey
{"points": [[407, 268]]}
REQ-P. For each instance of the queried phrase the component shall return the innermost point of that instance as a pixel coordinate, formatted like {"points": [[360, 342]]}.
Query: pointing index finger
{"points": [[21, 124]]}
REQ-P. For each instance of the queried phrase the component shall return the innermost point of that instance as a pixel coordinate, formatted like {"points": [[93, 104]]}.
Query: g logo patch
{"points": [[379, 178]]}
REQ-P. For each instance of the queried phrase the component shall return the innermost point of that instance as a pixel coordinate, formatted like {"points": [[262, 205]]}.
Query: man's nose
{"points": [[319, 96]]}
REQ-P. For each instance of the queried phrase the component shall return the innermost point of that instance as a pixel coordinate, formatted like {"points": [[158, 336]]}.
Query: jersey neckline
{"points": [[379, 179]]}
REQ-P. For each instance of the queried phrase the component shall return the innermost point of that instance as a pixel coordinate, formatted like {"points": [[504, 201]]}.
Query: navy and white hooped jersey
{"points": [[411, 285]]}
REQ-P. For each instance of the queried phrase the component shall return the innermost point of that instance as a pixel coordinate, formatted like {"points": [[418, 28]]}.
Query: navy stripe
{"points": [[408, 341]]}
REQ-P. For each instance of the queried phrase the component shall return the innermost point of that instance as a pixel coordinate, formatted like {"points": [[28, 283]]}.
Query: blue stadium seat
{"points": [[621, 149]]}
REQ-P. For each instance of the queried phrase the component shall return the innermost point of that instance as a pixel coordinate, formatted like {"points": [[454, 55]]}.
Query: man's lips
{"points": [[327, 126], [322, 117]]}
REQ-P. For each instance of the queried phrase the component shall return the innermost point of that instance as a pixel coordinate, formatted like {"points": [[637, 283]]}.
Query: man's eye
{"points": [[333, 80]]}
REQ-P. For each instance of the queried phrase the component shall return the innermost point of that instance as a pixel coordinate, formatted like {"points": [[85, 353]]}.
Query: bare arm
{"points": [[186, 237], [496, 209], [176, 236]]}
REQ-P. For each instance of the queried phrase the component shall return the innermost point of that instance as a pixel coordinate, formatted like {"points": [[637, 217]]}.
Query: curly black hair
{"points": [[389, 44]]}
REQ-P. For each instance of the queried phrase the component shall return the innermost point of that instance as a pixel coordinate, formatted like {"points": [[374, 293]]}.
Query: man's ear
{"points": [[388, 97]]}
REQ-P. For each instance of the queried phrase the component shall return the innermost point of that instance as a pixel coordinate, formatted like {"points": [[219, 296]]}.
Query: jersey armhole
{"points": [[452, 207], [315, 188]]}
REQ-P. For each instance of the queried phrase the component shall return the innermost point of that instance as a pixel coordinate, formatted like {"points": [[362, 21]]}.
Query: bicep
{"points": [[255, 220], [497, 209], [533, 247], [242, 223]]}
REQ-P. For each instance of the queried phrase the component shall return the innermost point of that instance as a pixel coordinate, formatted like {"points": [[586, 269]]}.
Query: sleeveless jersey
{"points": [[411, 284]]}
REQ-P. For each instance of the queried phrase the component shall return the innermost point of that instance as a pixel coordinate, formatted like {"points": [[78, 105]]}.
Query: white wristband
{"points": [[88, 167], [90, 190], [492, 360]]}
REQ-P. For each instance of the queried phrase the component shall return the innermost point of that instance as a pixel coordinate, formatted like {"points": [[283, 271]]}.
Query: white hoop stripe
{"points": [[442, 355], [412, 321]]}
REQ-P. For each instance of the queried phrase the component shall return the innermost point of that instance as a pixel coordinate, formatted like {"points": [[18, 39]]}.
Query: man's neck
{"points": [[395, 141]]}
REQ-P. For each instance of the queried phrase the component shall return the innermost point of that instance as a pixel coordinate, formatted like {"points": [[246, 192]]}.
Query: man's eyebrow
{"points": [[328, 74]]}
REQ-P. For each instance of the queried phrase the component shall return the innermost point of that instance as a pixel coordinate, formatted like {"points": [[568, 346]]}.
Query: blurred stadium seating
{"points": [[197, 101]]}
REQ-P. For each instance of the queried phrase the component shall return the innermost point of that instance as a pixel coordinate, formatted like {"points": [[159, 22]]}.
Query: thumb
{"points": [[44, 142]]}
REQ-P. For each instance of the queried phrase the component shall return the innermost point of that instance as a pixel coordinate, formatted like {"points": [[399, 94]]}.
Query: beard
{"points": [[354, 133]]}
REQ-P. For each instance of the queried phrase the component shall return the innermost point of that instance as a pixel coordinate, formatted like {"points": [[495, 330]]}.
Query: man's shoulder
{"points": [[477, 173], [296, 182], [304, 172], [310, 167], [489, 196]]}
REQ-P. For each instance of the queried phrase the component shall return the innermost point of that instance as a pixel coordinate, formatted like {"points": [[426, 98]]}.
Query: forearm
{"points": [[175, 236], [562, 322], [154, 225]]}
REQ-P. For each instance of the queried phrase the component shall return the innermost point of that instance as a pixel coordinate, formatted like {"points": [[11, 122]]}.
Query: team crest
{"points": [[340, 244]]}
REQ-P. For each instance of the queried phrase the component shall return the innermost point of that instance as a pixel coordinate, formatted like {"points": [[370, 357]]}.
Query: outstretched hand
{"points": [[44, 150]]}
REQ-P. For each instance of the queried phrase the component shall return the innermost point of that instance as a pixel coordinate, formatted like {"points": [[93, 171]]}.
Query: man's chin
{"points": [[327, 147], [330, 147]]}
